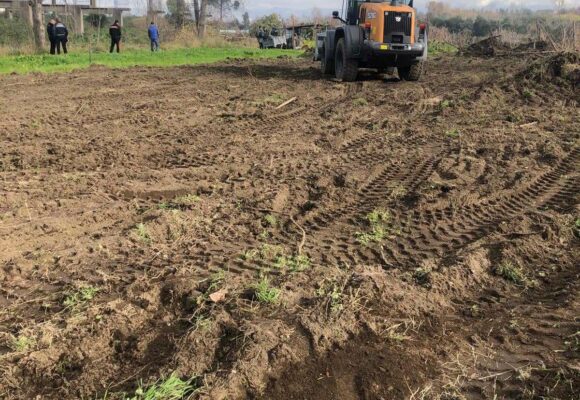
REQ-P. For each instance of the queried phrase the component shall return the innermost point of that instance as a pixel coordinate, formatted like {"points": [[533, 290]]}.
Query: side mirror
{"points": [[335, 14]]}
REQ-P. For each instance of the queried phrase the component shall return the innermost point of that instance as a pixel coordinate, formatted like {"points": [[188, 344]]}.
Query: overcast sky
{"points": [[299, 6]]}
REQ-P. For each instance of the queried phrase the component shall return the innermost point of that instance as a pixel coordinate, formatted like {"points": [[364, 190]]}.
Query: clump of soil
{"points": [[486, 48], [563, 67]]}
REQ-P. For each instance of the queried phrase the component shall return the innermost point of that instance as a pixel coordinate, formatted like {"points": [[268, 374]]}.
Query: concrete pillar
{"points": [[79, 21], [118, 15], [93, 3]]}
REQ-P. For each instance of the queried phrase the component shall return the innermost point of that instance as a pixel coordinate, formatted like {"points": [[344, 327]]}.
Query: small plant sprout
{"points": [[511, 272], [360, 102], [332, 294], [142, 232], [378, 216], [172, 388], [528, 94], [79, 298], [445, 104], [297, 263], [271, 220], [378, 220], [23, 344], [397, 193], [187, 200], [250, 255], [453, 133], [269, 251], [265, 293], [217, 281]]}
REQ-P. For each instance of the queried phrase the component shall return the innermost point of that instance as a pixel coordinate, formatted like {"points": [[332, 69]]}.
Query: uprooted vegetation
{"points": [[167, 253]]}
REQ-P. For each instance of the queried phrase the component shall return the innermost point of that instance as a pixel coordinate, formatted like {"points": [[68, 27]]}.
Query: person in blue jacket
{"points": [[154, 36]]}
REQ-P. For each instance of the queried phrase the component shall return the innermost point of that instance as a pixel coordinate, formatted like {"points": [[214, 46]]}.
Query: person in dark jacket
{"points": [[115, 33], [61, 36], [153, 33], [51, 35]]}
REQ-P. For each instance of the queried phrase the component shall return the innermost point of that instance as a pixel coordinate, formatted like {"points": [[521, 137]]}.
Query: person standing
{"points": [[153, 33], [61, 36], [51, 35], [115, 33]]}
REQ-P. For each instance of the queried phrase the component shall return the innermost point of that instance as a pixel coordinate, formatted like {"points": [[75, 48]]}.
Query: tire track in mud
{"points": [[442, 232], [255, 126]]}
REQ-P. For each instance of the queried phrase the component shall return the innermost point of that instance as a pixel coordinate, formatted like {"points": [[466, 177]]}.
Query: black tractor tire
{"points": [[346, 69], [412, 73], [326, 63]]}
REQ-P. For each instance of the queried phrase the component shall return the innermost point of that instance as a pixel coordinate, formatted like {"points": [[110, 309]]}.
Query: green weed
{"points": [[332, 294], [436, 48], [297, 263], [576, 228], [528, 94], [173, 388], [217, 280], [79, 298], [397, 193], [250, 255], [274, 98], [266, 293], [511, 272], [187, 200], [378, 216], [142, 233], [378, 220], [443, 105], [453, 133], [23, 344], [269, 251], [271, 220], [360, 102]]}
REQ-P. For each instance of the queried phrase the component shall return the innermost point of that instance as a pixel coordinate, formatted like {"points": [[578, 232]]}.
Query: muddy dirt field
{"points": [[373, 240]]}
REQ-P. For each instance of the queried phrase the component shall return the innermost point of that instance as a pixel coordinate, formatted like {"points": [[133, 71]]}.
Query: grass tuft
{"points": [[360, 102], [453, 133], [379, 222], [297, 263], [271, 220], [266, 293], [23, 344], [173, 388], [511, 272], [79, 298], [142, 232]]}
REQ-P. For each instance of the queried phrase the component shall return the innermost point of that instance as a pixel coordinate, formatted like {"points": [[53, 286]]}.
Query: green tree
{"points": [[481, 27], [267, 23], [178, 12]]}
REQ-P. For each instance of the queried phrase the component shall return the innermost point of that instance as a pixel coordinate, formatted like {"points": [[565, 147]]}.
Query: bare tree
{"points": [[560, 4], [202, 21], [37, 24]]}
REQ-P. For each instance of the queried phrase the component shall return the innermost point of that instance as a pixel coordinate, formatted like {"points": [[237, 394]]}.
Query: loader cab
{"points": [[391, 22]]}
